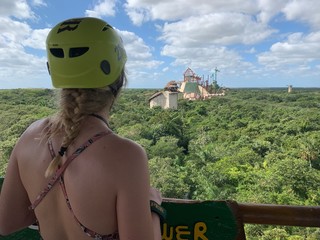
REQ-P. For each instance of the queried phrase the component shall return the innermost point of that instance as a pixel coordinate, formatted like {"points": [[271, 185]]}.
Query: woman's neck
{"points": [[100, 117]]}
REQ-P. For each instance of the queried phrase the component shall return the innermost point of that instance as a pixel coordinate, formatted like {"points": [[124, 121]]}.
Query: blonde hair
{"points": [[75, 105]]}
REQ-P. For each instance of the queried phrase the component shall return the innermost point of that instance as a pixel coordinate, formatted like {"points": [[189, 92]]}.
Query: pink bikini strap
{"points": [[60, 171]]}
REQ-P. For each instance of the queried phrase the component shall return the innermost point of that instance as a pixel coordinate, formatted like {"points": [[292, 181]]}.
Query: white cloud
{"points": [[37, 39], [102, 8], [206, 58], [165, 69], [140, 58], [268, 9], [17, 35], [304, 10], [217, 28], [299, 50], [20, 69], [20, 62], [200, 42], [206, 33], [251, 50], [16, 8], [169, 10], [139, 54], [12, 32], [39, 3], [202, 34], [17, 67], [137, 15]]}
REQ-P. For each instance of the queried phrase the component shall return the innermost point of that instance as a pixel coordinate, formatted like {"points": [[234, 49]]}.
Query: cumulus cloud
{"points": [[201, 34], [201, 42], [37, 39], [15, 62], [139, 53], [140, 10], [306, 11], [298, 49], [19, 62], [137, 15], [197, 34], [268, 9], [140, 58], [204, 33], [18, 8], [12, 32], [21, 69], [38, 3], [206, 58], [102, 8], [216, 28]]}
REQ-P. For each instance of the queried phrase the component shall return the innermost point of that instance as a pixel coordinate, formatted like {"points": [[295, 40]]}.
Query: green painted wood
{"points": [[199, 221], [25, 234]]}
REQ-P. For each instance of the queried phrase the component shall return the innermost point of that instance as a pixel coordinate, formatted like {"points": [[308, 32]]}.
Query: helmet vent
{"points": [[105, 67], [77, 52], [57, 52], [105, 28]]}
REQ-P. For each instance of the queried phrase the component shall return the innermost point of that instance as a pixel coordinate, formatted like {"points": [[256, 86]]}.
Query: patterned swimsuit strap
{"points": [[60, 171]]}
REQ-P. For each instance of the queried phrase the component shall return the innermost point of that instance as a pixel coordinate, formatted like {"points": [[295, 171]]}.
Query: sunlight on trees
{"points": [[252, 145]]}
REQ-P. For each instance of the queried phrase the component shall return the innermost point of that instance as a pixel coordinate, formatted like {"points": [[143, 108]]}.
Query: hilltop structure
{"points": [[167, 98], [192, 87]]}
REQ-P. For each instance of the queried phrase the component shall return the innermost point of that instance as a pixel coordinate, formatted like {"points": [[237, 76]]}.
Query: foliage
{"points": [[19, 108], [251, 145]]}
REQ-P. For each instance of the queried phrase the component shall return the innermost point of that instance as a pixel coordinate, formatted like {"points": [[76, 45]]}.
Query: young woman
{"points": [[70, 173]]}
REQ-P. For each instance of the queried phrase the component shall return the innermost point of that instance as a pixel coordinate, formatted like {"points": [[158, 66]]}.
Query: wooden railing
{"points": [[247, 213], [270, 214]]}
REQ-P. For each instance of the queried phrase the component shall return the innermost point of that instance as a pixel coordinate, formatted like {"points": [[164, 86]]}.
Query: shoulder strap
{"points": [[50, 146], [61, 170]]}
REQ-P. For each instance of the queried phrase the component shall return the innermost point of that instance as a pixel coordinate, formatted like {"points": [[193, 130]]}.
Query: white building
{"points": [[164, 99]]}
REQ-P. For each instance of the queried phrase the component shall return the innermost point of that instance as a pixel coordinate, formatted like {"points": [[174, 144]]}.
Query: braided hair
{"points": [[75, 105]]}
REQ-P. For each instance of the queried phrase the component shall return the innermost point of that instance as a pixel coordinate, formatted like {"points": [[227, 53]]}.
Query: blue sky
{"points": [[254, 43]]}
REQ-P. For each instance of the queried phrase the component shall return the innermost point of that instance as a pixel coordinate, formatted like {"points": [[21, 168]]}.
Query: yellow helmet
{"points": [[84, 53]]}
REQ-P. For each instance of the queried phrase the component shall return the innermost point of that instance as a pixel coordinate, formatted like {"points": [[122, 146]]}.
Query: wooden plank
{"points": [[270, 214], [201, 220]]}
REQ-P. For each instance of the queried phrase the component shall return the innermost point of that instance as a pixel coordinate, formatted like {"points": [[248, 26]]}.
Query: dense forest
{"points": [[251, 145]]}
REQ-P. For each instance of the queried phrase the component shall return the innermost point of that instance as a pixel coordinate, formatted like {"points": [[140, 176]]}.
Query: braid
{"points": [[75, 105], [71, 118]]}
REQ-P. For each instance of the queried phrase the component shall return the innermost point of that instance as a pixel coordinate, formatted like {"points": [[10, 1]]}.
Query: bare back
{"points": [[98, 183]]}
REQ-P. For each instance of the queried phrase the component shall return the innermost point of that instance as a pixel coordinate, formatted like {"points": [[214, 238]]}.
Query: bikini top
{"points": [[58, 177]]}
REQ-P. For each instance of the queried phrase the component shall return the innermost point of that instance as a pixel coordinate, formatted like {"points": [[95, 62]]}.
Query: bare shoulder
{"points": [[125, 148], [129, 156], [36, 127], [32, 133]]}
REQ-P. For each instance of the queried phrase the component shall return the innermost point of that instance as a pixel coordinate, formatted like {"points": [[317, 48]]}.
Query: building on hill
{"points": [[194, 87], [172, 86], [190, 76], [190, 90], [164, 99]]}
